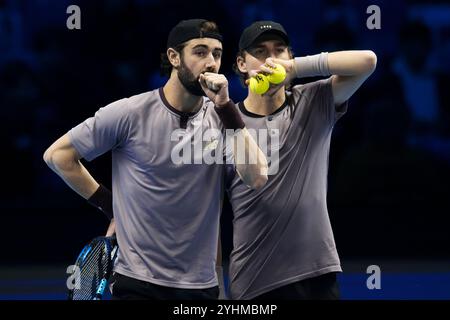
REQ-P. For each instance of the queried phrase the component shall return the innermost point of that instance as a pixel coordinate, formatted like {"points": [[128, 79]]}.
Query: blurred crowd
{"points": [[390, 159]]}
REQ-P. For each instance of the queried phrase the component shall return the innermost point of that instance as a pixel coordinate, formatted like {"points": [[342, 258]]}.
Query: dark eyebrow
{"points": [[280, 44], [206, 47], [200, 46]]}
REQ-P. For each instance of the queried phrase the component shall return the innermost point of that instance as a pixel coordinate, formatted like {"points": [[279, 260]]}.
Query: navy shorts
{"points": [[126, 288], [324, 287]]}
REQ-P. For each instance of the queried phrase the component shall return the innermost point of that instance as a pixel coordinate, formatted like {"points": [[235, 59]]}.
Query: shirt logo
{"points": [[212, 145]]}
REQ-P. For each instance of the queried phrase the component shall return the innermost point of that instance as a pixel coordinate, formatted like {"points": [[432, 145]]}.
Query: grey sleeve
{"points": [[107, 129], [320, 97]]}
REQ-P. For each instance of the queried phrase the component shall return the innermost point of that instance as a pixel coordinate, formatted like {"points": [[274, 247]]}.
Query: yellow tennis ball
{"points": [[278, 75], [259, 84]]}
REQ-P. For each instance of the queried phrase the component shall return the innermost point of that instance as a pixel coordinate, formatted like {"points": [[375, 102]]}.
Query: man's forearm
{"points": [[254, 171], [80, 180], [342, 63], [351, 63], [64, 160], [250, 161], [349, 69], [75, 176]]}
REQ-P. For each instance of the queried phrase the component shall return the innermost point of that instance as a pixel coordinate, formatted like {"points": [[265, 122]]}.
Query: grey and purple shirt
{"points": [[166, 211], [282, 232]]}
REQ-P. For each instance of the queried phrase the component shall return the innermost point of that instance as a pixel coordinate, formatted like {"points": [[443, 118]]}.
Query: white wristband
{"points": [[312, 66]]}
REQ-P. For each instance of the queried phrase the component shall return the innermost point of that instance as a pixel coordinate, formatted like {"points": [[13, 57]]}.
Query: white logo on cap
{"points": [[266, 26]]}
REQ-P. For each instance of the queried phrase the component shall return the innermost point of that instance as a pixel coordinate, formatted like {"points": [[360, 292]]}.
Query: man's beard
{"points": [[189, 81]]}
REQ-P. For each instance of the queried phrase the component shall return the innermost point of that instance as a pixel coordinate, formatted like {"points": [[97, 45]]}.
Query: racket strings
{"points": [[92, 269]]}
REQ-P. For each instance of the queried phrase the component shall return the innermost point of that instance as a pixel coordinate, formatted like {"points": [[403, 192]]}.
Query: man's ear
{"points": [[174, 57], [240, 63]]}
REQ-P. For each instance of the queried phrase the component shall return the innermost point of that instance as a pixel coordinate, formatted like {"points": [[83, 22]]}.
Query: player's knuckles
{"points": [[223, 80], [284, 63], [270, 61], [253, 73], [267, 69]]}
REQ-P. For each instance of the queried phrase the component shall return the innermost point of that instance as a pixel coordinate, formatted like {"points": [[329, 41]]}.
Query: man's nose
{"points": [[211, 62]]}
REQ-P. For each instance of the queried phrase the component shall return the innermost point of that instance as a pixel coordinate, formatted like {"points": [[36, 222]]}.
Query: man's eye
{"points": [[217, 54], [280, 50], [200, 53], [259, 53]]}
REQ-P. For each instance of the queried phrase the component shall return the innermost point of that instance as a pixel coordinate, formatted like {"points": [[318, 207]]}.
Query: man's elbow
{"points": [[260, 178], [58, 160], [49, 157], [253, 177], [258, 181]]}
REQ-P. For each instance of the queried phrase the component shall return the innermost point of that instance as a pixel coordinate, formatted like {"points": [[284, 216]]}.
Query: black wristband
{"points": [[229, 115], [102, 199]]}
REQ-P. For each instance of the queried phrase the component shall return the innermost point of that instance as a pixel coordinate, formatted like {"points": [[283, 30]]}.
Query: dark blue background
{"points": [[390, 158]]}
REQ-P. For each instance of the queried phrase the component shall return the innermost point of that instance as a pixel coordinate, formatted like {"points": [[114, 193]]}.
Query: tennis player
{"points": [[283, 241], [166, 197]]}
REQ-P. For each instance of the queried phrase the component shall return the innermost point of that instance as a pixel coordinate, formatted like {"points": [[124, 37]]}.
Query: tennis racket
{"points": [[93, 268]]}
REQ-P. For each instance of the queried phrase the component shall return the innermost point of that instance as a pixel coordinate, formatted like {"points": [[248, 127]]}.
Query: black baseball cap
{"points": [[258, 28], [186, 30]]}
